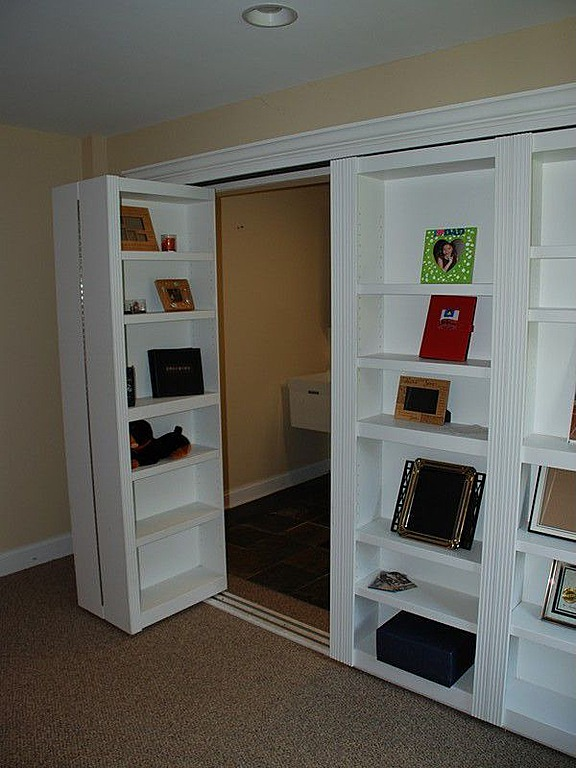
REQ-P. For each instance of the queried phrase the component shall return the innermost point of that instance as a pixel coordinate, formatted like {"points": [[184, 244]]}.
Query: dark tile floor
{"points": [[282, 541]]}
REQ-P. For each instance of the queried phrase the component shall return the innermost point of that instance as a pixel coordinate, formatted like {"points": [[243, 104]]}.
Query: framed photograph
{"points": [[422, 400], [134, 306], [449, 255], [439, 503], [553, 510], [175, 295], [560, 601], [136, 230]]}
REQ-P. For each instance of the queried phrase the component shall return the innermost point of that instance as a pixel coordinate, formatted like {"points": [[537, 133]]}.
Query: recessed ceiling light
{"points": [[269, 15]]}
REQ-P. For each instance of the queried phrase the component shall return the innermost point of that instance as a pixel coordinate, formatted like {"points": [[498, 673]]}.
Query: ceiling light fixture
{"points": [[269, 15]]}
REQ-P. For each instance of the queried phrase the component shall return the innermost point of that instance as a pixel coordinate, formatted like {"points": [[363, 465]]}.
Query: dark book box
{"points": [[426, 648], [176, 372]]}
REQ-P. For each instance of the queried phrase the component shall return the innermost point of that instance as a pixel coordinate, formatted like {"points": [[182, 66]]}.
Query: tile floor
{"points": [[282, 541]]}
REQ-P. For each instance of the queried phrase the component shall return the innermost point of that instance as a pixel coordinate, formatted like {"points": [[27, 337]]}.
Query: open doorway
{"points": [[274, 286]]}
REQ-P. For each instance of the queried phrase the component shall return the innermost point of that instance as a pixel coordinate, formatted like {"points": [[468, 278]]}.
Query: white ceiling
{"points": [[109, 66]]}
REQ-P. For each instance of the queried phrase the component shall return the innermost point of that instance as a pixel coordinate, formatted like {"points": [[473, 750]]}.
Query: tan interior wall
{"points": [[533, 58], [33, 496], [275, 309]]}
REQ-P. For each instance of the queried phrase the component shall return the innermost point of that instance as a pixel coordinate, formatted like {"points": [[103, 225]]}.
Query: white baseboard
{"points": [[246, 493], [34, 554]]}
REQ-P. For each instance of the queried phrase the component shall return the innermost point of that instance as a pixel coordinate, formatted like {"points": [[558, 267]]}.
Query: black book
{"points": [[175, 372]]}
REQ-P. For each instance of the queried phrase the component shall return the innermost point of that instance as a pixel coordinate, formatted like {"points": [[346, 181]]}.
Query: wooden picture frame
{"points": [[136, 230], [560, 599], [553, 510], [175, 295], [438, 503], [422, 400]]}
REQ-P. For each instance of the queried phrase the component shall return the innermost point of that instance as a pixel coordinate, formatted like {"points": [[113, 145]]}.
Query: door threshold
{"points": [[292, 629]]}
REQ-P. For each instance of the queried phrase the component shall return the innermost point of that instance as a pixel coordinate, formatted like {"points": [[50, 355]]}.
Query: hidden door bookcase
{"points": [[520, 192], [149, 541]]}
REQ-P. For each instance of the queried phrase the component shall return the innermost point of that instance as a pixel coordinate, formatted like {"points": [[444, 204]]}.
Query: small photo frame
{"points": [[439, 503], [553, 510], [136, 230], [134, 306], [560, 600], [449, 255], [175, 295], [423, 400]]}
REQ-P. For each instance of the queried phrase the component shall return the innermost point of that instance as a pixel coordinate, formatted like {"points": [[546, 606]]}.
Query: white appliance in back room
{"points": [[309, 398]]}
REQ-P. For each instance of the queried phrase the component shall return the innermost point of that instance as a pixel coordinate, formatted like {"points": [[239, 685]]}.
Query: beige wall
{"points": [[32, 491], [534, 58], [275, 299], [33, 497]]}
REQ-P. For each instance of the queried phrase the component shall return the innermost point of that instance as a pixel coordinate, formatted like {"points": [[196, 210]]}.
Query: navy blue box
{"points": [[426, 648]]}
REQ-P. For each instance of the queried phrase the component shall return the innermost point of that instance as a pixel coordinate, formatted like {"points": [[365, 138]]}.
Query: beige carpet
{"points": [[205, 689]]}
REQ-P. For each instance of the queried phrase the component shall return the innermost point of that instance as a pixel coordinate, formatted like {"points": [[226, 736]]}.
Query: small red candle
{"points": [[168, 242]]}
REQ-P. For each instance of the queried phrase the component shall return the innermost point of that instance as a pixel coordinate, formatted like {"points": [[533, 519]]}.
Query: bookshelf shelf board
{"points": [[479, 369], [169, 317], [426, 289], [553, 252], [552, 315], [378, 533], [447, 606], [199, 454], [527, 624], [173, 521], [466, 438], [178, 592], [550, 450], [167, 256], [148, 407]]}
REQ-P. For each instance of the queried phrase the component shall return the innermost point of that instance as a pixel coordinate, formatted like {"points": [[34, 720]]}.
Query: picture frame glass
{"points": [[560, 601], [436, 502], [553, 510]]}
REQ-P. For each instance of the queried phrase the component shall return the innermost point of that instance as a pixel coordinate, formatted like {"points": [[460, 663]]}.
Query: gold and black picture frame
{"points": [[175, 295], [560, 600], [136, 230], [421, 399], [439, 503], [553, 511]]}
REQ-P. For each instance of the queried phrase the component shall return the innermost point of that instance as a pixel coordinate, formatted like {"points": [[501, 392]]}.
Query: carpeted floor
{"points": [[204, 689]]}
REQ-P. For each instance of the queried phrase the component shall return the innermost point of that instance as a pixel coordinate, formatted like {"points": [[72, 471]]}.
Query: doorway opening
{"points": [[274, 297]]}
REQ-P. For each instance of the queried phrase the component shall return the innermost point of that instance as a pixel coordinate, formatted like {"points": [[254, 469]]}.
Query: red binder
{"points": [[448, 328]]}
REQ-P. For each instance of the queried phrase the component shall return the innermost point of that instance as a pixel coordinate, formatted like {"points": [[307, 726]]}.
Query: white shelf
{"points": [[169, 317], [552, 315], [465, 438], [424, 289], [479, 369], [549, 450], [527, 624], [553, 252], [173, 521], [551, 547], [198, 454], [181, 591], [529, 707], [167, 256], [378, 533], [447, 606], [148, 407], [458, 696]]}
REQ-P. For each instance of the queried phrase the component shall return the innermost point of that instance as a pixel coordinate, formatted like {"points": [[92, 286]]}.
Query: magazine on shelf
{"points": [[392, 581], [449, 255]]}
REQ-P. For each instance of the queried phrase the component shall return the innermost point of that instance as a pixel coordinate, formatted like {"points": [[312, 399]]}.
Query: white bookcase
{"points": [[148, 541], [510, 405]]}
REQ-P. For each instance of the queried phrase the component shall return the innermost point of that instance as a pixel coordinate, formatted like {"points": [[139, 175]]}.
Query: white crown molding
{"points": [[542, 109]]}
